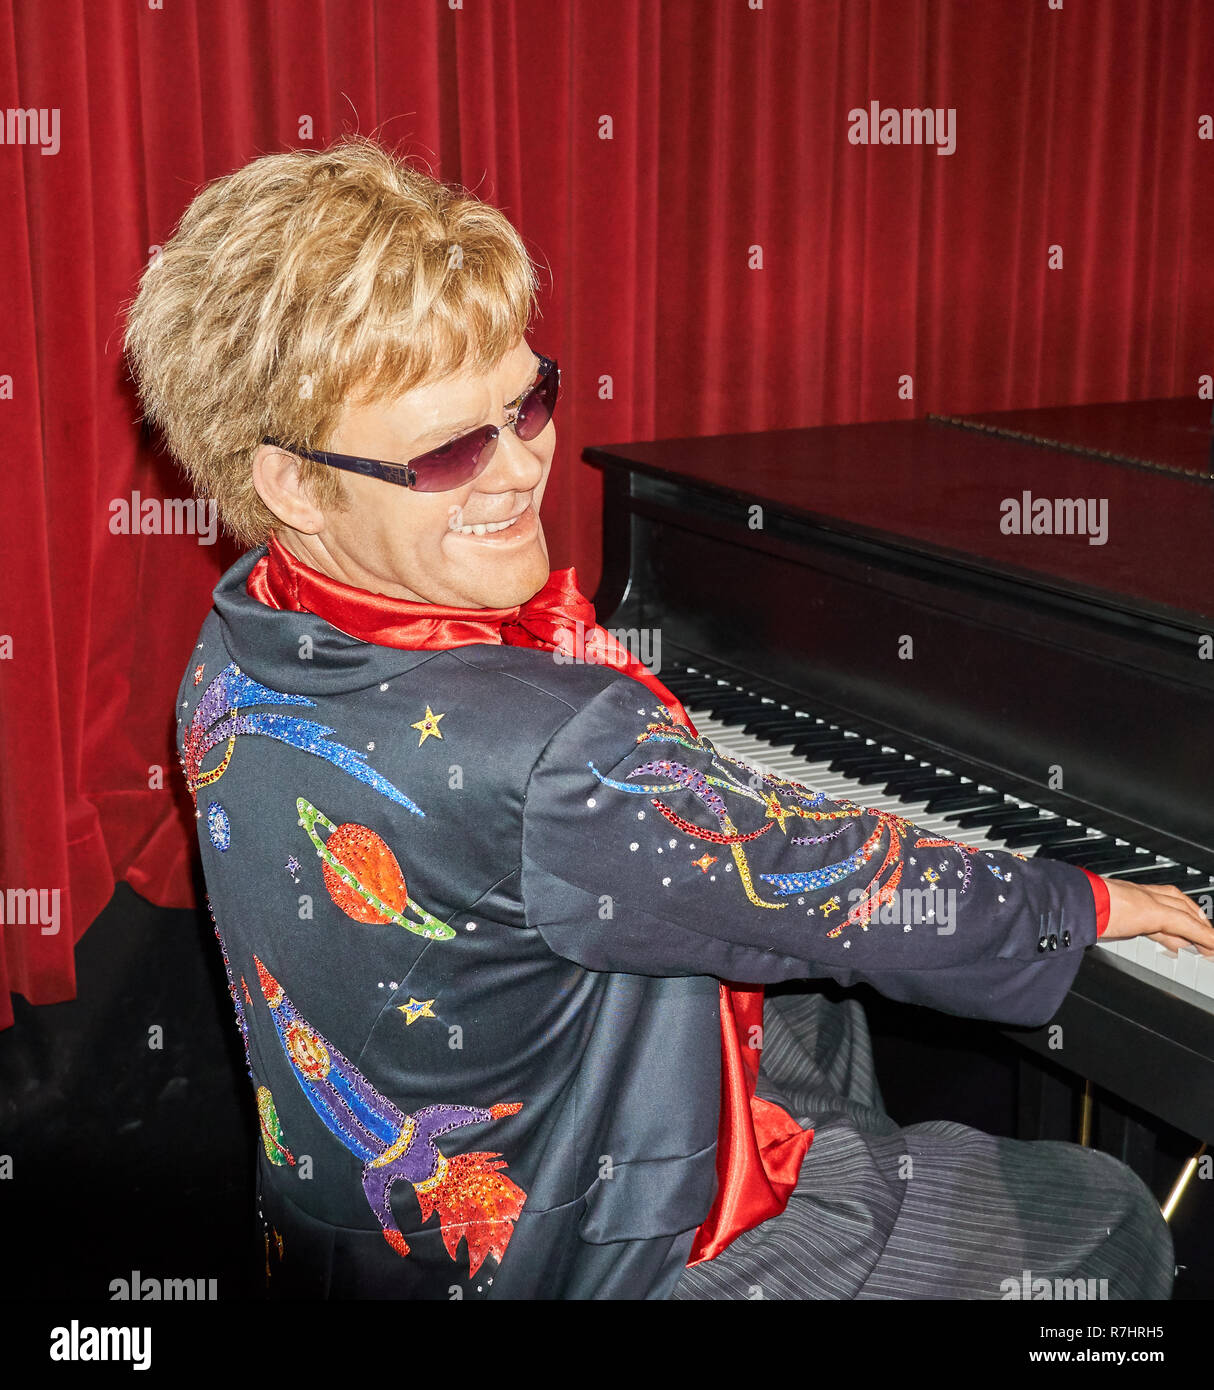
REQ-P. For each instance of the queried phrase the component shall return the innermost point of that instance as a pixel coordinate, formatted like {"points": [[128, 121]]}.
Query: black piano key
{"points": [[862, 751], [685, 681], [1028, 823], [910, 781], [698, 699], [816, 748], [913, 769], [987, 819], [864, 775], [1075, 834], [819, 752], [964, 798], [1075, 838], [871, 777], [731, 702], [825, 733], [867, 761], [1125, 865], [1130, 858], [706, 686], [914, 792], [1142, 874], [1024, 819], [1051, 828], [1083, 852], [735, 716], [781, 715], [778, 730]]}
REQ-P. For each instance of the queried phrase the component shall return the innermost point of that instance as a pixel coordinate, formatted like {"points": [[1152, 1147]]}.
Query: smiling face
{"points": [[423, 546]]}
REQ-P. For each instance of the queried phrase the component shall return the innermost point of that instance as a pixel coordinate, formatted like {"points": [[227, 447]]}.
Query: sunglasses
{"points": [[457, 462]]}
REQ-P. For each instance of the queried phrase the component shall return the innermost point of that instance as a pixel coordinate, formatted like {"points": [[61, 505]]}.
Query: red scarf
{"points": [[759, 1146]]}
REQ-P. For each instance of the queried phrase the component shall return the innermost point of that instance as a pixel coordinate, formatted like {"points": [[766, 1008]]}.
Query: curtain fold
{"points": [[715, 256]]}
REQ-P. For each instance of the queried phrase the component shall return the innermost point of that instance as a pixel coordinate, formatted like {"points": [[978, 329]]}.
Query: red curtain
{"points": [[722, 258]]}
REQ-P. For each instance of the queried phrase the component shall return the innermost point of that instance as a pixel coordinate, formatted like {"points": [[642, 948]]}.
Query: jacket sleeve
{"points": [[648, 851]]}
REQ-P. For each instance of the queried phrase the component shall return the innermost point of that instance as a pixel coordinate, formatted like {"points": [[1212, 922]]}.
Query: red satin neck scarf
{"points": [[760, 1147]]}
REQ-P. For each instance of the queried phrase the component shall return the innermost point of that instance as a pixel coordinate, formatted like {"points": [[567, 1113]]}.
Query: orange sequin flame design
{"points": [[474, 1202]]}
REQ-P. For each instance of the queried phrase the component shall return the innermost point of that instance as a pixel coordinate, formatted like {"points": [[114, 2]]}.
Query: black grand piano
{"points": [[1000, 624]]}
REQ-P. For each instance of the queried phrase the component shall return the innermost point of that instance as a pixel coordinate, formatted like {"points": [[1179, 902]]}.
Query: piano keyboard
{"points": [[840, 763]]}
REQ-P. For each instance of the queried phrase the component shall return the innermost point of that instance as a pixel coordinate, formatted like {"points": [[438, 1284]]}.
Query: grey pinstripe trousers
{"points": [[929, 1211]]}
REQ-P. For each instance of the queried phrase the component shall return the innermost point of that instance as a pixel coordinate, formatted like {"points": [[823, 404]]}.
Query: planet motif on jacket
{"points": [[363, 877]]}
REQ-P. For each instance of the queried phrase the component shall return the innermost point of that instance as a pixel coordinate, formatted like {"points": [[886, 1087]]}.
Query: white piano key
{"points": [[1162, 961], [1204, 973], [1186, 967], [1147, 954]]}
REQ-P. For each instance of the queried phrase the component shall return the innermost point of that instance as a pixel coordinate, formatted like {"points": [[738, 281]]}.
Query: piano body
{"points": [[851, 607]]}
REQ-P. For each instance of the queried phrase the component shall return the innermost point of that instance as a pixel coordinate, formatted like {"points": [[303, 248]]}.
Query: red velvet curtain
{"points": [[722, 258]]}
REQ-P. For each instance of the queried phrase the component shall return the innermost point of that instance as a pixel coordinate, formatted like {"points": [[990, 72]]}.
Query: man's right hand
{"points": [[1159, 911]]}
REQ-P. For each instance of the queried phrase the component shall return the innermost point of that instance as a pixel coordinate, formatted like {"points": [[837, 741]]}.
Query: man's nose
{"points": [[514, 464]]}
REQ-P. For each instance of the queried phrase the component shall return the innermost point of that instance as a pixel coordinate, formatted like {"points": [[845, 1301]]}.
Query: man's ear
{"points": [[276, 476]]}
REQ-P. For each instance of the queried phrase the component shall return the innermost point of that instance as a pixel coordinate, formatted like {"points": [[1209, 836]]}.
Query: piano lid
{"points": [[969, 491], [1159, 435]]}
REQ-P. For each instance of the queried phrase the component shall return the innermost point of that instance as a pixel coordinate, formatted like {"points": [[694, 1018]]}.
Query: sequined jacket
{"points": [[474, 904]]}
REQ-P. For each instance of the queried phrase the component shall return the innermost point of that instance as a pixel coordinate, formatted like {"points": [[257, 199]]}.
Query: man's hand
{"points": [[1159, 911]]}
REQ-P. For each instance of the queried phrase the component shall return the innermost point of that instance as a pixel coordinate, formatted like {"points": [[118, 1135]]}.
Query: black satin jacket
{"points": [[474, 905]]}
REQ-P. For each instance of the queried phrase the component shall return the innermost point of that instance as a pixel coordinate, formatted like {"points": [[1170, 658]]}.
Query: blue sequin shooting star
{"points": [[218, 717]]}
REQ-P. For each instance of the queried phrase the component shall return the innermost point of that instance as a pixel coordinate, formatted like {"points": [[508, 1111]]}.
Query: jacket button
{"points": [[1053, 941], [1043, 943], [1066, 938]]}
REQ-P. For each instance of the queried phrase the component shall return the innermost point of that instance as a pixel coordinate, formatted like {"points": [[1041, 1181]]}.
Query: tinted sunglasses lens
{"points": [[536, 410], [456, 463]]}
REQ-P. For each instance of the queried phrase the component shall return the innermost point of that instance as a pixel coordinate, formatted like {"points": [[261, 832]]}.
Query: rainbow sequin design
{"points": [[218, 718], [708, 788], [474, 1201], [781, 799]]}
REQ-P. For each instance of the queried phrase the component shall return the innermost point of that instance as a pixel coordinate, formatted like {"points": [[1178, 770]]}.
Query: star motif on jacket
{"points": [[705, 862], [831, 906], [415, 1009], [777, 812], [428, 726]]}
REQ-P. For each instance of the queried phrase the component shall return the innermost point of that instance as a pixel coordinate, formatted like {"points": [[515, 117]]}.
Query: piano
{"points": [[1000, 626]]}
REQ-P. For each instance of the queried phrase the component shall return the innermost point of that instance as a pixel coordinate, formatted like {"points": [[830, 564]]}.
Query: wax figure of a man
{"points": [[477, 901]]}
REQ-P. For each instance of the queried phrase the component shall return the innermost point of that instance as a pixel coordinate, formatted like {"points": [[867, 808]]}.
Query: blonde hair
{"points": [[304, 281]]}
